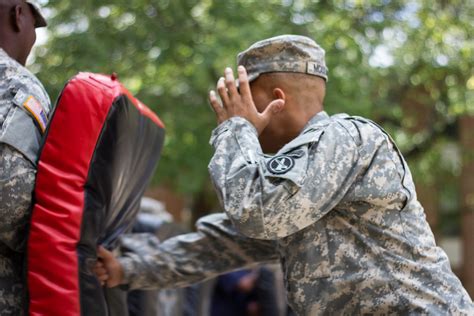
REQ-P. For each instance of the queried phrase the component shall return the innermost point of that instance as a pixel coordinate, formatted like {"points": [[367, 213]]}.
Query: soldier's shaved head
{"points": [[17, 28], [303, 95], [7, 13], [6, 7], [9, 3], [306, 89]]}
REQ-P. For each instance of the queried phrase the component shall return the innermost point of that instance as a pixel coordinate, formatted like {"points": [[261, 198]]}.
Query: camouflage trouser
{"points": [[17, 179]]}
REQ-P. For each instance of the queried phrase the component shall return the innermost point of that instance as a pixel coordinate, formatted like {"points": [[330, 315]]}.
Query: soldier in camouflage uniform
{"points": [[24, 110], [336, 204]]}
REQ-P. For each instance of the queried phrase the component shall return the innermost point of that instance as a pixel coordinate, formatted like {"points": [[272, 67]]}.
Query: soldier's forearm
{"points": [[214, 249]]}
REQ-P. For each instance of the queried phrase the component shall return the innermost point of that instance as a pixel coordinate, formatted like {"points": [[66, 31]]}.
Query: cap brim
{"points": [[40, 21]]}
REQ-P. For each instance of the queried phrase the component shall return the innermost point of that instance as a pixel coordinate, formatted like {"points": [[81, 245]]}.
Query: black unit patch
{"points": [[280, 164]]}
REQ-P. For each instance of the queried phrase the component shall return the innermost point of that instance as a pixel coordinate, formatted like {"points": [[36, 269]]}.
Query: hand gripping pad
{"points": [[99, 154]]}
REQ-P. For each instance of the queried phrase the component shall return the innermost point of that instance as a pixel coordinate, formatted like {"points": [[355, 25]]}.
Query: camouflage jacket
{"points": [[25, 108], [337, 206], [21, 98]]}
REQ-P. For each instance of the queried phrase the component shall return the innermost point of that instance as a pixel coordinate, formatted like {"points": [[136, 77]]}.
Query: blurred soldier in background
{"points": [[153, 226], [24, 113], [248, 292]]}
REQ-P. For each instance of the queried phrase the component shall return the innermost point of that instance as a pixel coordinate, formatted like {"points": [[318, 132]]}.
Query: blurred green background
{"points": [[406, 64]]}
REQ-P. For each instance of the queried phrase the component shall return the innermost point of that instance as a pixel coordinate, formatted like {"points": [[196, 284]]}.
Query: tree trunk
{"points": [[467, 201], [418, 117], [204, 202]]}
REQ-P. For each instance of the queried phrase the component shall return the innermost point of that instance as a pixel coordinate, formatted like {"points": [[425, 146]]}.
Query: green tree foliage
{"points": [[171, 52]]}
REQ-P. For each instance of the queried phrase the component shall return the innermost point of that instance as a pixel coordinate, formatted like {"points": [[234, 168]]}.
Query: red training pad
{"points": [[100, 151]]}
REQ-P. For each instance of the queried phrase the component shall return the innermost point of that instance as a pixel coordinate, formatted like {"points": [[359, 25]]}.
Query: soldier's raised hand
{"points": [[241, 104]]}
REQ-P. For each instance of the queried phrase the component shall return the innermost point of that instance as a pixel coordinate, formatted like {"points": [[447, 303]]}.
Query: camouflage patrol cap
{"points": [[284, 53], [40, 21]]}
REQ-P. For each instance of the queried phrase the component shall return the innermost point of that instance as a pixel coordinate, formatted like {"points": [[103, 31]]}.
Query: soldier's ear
{"points": [[278, 93], [16, 17]]}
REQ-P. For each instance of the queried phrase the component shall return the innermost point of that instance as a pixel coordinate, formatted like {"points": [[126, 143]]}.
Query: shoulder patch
{"points": [[281, 164], [33, 107]]}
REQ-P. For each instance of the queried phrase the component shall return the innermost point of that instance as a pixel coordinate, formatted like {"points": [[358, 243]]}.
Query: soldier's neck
{"points": [[8, 47]]}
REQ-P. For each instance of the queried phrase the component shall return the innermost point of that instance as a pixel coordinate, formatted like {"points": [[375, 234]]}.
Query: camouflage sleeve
{"points": [[274, 197], [182, 260], [17, 180]]}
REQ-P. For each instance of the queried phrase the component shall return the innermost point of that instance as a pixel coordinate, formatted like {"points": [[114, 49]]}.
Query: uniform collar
{"points": [[3, 53], [9, 60], [317, 121], [319, 117]]}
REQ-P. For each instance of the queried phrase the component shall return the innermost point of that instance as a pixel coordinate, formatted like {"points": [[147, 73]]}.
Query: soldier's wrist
{"points": [[126, 270]]}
